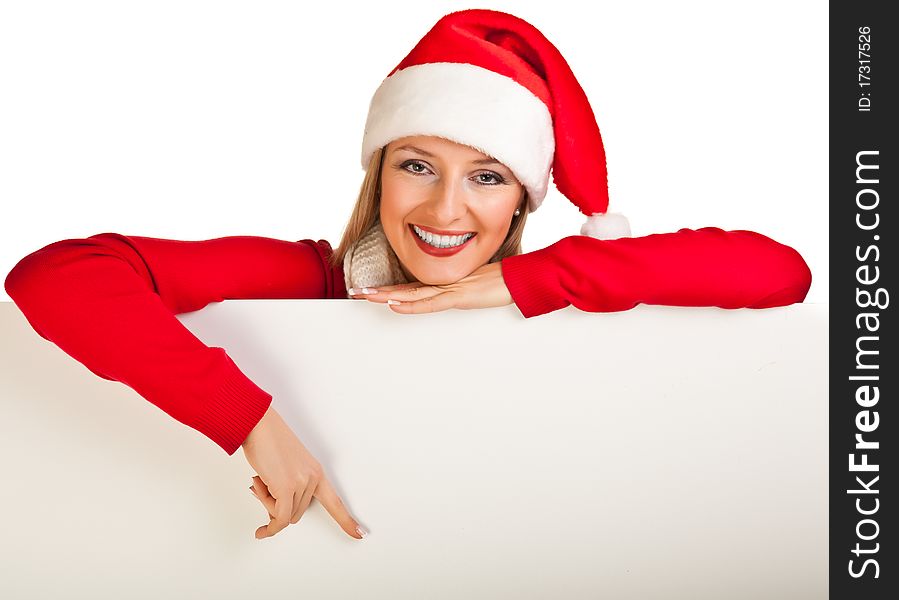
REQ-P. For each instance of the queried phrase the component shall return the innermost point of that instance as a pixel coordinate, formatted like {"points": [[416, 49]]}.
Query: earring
{"points": [[517, 212]]}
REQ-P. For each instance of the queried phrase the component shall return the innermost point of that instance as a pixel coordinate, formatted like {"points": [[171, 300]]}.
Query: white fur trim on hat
{"points": [[470, 105], [607, 226]]}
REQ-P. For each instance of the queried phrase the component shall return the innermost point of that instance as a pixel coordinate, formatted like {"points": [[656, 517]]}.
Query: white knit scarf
{"points": [[371, 262]]}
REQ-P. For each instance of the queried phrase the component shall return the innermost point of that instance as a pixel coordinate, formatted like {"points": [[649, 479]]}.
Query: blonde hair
{"points": [[367, 211]]}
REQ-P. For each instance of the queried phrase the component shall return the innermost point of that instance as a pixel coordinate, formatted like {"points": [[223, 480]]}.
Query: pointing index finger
{"points": [[336, 508]]}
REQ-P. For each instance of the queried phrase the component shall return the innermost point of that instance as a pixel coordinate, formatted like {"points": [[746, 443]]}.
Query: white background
{"points": [[195, 120]]}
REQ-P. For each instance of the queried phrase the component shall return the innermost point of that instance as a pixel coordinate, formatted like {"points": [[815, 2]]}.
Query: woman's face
{"points": [[445, 188]]}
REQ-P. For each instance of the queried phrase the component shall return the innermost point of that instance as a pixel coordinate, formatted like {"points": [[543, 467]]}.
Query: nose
{"points": [[448, 202]]}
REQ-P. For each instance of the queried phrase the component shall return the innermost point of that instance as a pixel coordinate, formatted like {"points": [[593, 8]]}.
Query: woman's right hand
{"points": [[289, 476]]}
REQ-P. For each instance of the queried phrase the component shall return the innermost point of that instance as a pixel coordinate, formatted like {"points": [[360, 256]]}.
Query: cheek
{"points": [[498, 223], [397, 198], [497, 219]]}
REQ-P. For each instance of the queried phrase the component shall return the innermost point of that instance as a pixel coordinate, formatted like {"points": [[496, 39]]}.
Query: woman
{"points": [[458, 147]]}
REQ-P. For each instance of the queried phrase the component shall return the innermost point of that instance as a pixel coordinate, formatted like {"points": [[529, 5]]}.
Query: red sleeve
{"points": [[109, 301], [702, 267]]}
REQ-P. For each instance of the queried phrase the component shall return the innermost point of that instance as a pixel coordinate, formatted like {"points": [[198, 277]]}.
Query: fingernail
{"points": [[394, 302], [361, 530], [252, 491], [365, 290]]}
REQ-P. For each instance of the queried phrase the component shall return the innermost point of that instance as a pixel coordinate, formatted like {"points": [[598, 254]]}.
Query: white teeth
{"points": [[442, 241]]}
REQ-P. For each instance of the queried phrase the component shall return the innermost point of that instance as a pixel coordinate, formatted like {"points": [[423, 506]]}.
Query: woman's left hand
{"points": [[483, 288]]}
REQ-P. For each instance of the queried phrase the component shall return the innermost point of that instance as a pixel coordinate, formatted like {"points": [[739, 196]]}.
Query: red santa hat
{"points": [[492, 81]]}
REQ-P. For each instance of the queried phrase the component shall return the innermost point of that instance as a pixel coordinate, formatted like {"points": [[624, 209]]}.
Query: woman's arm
{"points": [[702, 267], [109, 301]]}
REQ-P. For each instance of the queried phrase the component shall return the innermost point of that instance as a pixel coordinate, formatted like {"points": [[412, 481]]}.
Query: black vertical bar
{"points": [[863, 364]]}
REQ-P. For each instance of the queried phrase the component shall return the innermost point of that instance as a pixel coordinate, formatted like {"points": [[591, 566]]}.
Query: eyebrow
{"points": [[480, 161]]}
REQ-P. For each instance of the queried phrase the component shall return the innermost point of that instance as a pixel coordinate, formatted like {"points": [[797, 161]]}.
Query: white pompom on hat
{"points": [[492, 81]]}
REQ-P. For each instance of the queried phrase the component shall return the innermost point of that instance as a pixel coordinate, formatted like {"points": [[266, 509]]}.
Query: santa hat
{"points": [[492, 81]]}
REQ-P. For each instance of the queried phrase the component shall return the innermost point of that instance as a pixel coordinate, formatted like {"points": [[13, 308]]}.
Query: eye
{"points": [[415, 167], [492, 178]]}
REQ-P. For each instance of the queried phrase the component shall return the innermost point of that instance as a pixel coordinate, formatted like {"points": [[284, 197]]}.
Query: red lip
{"points": [[439, 252]]}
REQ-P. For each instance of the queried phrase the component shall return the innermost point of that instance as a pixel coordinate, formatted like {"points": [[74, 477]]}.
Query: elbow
{"points": [[38, 276], [803, 276], [19, 280], [794, 283], [786, 264], [12, 282], [28, 286], [797, 277]]}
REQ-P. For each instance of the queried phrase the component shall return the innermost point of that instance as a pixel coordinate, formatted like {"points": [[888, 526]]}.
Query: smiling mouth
{"points": [[441, 242], [439, 246]]}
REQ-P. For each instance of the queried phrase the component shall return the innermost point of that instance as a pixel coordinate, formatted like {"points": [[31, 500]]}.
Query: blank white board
{"points": [[661, 452]]}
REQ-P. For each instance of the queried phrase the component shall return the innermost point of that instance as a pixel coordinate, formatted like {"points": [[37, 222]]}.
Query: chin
{"points": [[429, 277]]}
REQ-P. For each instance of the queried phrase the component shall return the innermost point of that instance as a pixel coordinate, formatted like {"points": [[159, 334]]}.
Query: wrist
{"points": [[260, 425]]}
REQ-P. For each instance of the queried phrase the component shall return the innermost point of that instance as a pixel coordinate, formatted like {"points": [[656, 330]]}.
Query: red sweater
{"points": [[110, 300]]}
